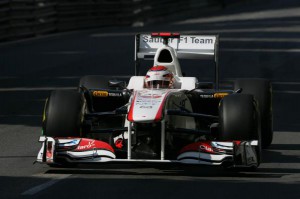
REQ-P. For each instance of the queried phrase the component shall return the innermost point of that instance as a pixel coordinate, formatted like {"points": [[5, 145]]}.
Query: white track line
{"points": [[41, 187]]}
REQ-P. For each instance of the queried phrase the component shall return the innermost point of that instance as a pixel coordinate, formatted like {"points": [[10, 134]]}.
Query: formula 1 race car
{"points": [[121, 119]]}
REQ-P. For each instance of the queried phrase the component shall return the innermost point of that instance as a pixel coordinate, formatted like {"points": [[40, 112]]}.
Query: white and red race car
{"points": [[117, 119]]}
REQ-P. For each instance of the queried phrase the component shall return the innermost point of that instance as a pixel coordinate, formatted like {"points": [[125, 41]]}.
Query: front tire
{"points": [[238, 118], [63, 114]]}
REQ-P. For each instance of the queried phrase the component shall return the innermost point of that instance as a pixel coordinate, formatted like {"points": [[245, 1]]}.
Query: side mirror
{"points": [[117, 84], [238, 90]]}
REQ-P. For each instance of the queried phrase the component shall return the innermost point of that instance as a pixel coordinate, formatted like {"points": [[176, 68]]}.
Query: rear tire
{"points": [[63, 114], [94, 82], [261, 89]]}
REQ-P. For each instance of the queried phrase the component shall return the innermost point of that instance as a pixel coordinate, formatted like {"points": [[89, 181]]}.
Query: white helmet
{"points": [[159, 77]]}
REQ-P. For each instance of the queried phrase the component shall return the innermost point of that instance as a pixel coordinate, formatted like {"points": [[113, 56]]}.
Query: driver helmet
{"points": [[159, 77]]}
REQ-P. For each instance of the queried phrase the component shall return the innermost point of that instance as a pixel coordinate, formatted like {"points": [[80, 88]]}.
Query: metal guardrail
{"points": [[4, 19], [29, 18], [26, 18]]}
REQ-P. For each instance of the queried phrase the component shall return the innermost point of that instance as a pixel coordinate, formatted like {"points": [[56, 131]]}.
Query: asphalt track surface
{"points": [[257, 40]]}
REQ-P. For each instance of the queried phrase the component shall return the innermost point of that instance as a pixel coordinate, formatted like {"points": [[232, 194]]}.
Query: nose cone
{"points": [[147, 106]]}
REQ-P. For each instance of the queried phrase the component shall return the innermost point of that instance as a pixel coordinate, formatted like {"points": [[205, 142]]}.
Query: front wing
{"points": [[83, 150]]}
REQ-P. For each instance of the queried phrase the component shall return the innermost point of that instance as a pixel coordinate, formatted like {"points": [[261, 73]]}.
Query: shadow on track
{"points": [[173, 170]]}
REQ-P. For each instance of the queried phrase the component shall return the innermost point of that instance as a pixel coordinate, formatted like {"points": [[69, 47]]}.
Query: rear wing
{"points": [[186, 47]]}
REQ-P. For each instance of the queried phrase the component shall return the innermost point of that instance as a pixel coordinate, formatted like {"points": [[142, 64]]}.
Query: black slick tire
{"points": [[238, 118], [63, 114], [261, 89]]}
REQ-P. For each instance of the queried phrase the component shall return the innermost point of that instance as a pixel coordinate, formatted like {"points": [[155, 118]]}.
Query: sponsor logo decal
{"points": [[105, 94], [150, 96], [215, 95], [183, 39], [114, 94], [100, 93], [203, 146], [206, 96], [206, 148], [146, 107], [119, 143], [88, 145], [220, 95]]}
